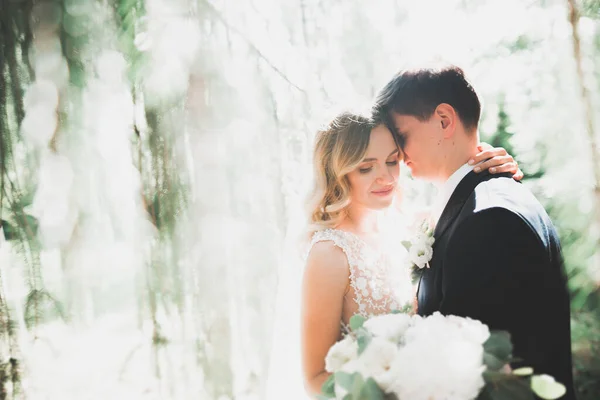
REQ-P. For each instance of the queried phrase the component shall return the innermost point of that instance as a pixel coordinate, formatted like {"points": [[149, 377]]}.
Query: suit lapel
{"points": [[460, 196]]}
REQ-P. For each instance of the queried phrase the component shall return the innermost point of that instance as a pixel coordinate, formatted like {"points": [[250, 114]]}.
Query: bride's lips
{"points": [[383, 192]]}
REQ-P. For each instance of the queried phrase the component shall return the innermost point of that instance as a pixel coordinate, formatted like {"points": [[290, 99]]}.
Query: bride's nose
{"points": [[385, 176]]}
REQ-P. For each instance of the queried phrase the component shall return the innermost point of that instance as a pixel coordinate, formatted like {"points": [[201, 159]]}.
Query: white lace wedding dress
{"points": [[379, 277], [379, 283]]}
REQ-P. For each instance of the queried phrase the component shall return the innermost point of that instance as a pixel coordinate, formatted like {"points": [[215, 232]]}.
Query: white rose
{"points": [[430, 240], [341, 353], [389, 326], [423, 239], [420, 255]]}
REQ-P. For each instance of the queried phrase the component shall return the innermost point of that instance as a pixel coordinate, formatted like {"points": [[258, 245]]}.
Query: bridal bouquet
{"points": [[398, 356]]}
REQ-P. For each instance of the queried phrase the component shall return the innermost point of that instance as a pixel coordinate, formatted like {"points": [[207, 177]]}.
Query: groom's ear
{"points": [[447, 118]]}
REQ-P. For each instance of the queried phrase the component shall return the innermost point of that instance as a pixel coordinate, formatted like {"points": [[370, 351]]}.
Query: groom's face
{"points": [[421, 144]]}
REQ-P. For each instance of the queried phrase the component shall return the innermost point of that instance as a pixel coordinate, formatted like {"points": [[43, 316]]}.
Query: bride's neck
{"points": [[363, 220]]}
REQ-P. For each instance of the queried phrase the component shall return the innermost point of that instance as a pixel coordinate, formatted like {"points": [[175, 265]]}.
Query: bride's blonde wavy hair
{"points": [[339, 149]]}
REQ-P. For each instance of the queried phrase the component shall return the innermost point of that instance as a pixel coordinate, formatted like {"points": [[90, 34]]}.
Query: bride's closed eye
{"points": [[366, 170]]}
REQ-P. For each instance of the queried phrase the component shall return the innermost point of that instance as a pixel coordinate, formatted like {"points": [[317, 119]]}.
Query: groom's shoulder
{"points": [[505, 193], [510, 196]]}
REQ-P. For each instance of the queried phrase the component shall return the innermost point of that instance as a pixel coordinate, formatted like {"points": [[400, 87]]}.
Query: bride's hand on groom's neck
{"points": [[496, 160]]}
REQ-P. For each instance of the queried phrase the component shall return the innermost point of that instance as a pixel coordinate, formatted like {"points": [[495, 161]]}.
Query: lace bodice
{"points": [[379, 278]]}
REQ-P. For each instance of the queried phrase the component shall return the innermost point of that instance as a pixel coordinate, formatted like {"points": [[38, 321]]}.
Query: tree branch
{"points": [[244, 37]]}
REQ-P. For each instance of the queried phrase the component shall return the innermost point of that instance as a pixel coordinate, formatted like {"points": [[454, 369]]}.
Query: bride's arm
{"points": [[324, 285]]}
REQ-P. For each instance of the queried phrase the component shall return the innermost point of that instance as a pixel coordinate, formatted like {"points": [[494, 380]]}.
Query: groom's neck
{"points": [[457, 153]]}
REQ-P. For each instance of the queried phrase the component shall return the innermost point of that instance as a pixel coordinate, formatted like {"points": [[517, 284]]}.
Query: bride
{"points": [[355, 262]]}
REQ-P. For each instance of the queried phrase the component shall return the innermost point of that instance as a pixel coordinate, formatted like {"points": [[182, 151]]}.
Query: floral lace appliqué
{"points": [[379, 278]]}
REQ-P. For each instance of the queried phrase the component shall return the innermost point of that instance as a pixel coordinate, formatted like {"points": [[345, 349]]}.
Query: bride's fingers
{"points": [[511, 167], [484, 155], [499, 164], [519, 175]]}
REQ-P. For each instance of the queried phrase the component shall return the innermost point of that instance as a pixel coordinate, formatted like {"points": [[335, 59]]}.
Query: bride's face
{"points": [[373, 182]]}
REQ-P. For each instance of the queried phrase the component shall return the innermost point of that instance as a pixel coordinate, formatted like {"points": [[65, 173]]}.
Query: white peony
{"points": [[438, 327], [437, 370], [471, 329], [390, 326], [341, 353], [375, 361]]}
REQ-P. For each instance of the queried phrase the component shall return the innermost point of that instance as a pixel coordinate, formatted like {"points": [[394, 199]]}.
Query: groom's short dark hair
{"points": [[418, 92]]}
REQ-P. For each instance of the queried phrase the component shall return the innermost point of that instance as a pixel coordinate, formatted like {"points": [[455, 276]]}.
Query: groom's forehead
{"points": [[402, 123]]}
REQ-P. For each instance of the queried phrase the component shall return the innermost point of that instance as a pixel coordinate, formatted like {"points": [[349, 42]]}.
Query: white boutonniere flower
{"points": [[420, 249]]}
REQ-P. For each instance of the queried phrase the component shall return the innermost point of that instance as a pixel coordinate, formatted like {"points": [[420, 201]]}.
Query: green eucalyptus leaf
{"points": [[344, 380], [492, 362], [328, 387], [546, 387], [363, 342], [415, 274], [372, 391], [497, 350], [356, 322], [357, 386], [485, 394], [501, 386], [525, 371]]}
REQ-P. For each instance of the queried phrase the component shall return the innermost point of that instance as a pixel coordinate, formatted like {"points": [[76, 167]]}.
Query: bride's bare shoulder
{"points": [[328, 258]]}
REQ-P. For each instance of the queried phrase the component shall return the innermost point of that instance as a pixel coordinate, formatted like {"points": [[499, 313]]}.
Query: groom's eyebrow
{"points": [[374, 159]]}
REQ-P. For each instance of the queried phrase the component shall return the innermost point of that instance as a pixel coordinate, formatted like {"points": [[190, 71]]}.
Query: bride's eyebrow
{"points": [[374, 159]]}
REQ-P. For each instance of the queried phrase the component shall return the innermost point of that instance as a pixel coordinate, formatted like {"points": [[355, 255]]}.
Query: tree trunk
{"points": [[574, 16]]}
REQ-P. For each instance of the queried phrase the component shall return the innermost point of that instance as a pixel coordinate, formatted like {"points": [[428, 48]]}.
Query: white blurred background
{"points": [[153, 154]]}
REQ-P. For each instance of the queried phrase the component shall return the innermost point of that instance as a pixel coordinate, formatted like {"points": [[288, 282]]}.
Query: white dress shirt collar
{"points": [[446, 189]]}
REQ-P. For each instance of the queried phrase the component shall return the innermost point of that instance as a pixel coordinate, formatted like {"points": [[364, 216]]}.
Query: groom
{"points": [[496, 256]]}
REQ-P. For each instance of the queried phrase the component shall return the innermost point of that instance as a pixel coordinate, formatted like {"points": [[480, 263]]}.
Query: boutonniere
{"points": [[420, 249]]}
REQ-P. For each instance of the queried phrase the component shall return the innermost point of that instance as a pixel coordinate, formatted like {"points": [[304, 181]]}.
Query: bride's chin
{"points": [[382, 205]]}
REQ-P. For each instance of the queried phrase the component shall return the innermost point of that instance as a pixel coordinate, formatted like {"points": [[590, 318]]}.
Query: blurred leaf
{"points": [[328, 387], [591, 9], [75, 25], [525, 371], [372, 391], [25, 223], [501, 386], [357, 386], [356, 322], [40, 307], [10, 232], [522, 43], [363, 341], [547, 388], [344, 380], [497, 350]]}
